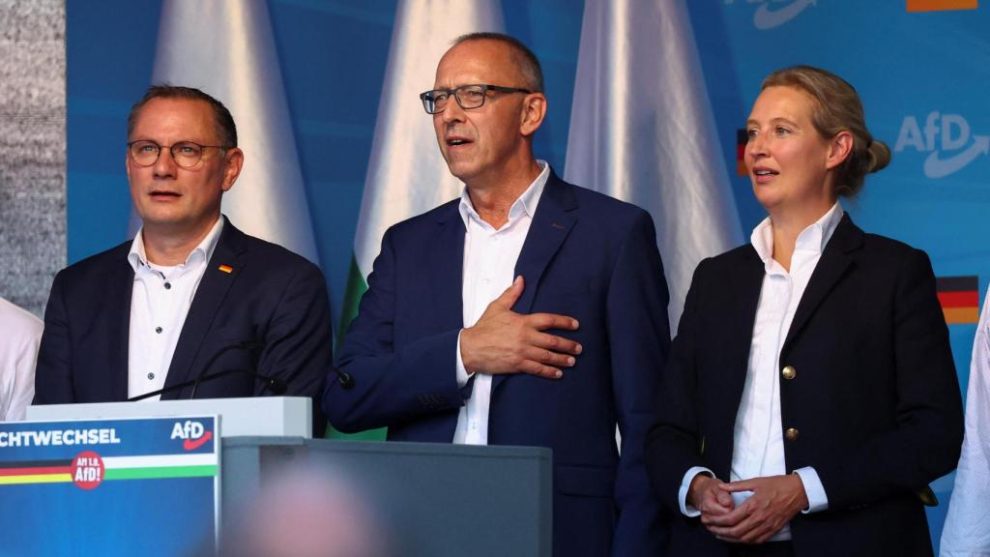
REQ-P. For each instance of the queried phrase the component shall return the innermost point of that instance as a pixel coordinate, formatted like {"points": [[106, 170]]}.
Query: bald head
{"points": [[518, 55]]}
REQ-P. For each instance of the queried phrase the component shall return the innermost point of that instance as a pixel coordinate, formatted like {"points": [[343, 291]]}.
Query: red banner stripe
{"points": [[41, 470], [964, 299]]}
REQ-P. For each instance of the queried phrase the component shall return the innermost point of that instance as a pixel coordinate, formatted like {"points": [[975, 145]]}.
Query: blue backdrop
{"points": [[922, 74]]}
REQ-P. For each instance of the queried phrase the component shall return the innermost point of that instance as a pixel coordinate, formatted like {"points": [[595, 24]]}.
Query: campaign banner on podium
{"points": [[145, 486]]}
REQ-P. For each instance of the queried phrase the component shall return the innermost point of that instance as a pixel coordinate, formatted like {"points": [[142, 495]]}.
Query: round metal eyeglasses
{"points": [[186, 154]]}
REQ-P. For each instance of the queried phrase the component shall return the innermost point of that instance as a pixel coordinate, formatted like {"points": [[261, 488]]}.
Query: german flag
{"points": [[36, 472], [742, 137], [960, 299]]}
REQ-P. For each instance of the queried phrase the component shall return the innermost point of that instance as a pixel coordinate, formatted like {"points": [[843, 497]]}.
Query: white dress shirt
{"points": [[489, 264], [758, 441], [967, 526], [18, 357], [160, 301]]}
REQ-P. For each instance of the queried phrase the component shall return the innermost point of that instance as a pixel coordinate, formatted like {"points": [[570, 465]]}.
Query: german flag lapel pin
{"points": [[225, 269]]}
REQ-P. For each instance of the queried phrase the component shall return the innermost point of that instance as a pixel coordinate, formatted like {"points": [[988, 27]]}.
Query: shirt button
{"points": [[151, 376], [158, 330], [168, 286], [789, 372], [791, 434]]}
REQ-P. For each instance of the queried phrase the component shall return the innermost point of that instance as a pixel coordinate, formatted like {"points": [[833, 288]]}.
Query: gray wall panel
{"points": [[32, 149]]}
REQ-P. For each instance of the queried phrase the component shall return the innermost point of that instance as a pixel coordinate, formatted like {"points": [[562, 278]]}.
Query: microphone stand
{"points": [[205, 374]]}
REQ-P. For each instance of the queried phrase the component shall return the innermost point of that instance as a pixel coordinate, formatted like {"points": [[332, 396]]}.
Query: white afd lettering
{"points": [[948, 140], [87, 473], [952, 131], [187, 430], [910, 135], [950, 122]]}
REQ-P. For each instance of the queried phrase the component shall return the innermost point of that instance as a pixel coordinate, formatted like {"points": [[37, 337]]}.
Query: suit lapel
{"points": [[743, 297], [119, 288], [552, 223], [206, 304], [833, 265], [445, 255]]}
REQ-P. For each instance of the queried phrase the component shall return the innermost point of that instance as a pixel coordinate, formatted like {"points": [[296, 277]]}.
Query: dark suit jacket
{"points": [[875, 399], [272, 297], [587, 256]]}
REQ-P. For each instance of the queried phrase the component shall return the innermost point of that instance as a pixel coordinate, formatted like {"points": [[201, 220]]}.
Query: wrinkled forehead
{"points": [[478, 61]]}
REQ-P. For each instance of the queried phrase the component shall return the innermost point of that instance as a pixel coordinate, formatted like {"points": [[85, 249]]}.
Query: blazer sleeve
{"points": [[926, 441], [297, 340], [673, 445], [391, 383], [639, 341], [53, 374]]}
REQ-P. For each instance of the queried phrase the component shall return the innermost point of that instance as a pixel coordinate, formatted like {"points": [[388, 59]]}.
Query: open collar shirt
{"points": [[160, 300], [758, 446], [489, 264]]}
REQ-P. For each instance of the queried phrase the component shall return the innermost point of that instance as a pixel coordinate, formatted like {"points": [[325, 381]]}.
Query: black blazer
{"points": [[272, 299], [875, 399]]}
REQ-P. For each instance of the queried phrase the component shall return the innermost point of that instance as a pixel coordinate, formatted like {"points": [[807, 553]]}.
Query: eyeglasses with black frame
{"points": [[468, 96], [186, 154]]}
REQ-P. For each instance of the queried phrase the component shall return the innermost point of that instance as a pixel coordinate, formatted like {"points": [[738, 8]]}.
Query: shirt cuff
{"points": [[813, 490], [682, 493], [462, 374]]}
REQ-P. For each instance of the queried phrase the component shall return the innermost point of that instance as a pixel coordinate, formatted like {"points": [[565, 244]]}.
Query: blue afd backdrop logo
{"points": [[948, 140], [774, 13]]}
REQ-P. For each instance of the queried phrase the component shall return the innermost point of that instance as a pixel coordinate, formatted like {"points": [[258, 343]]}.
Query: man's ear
{"points": [[235, 161], [534, 110]]}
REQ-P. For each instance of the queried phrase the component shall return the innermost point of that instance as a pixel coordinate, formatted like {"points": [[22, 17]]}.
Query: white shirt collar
{"points": [[814, 238], [138, 258], [525, 204]]}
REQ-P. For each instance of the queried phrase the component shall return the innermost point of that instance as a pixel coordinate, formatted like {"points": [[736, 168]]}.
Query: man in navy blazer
{"points": [[528, 312], [192, 306]]}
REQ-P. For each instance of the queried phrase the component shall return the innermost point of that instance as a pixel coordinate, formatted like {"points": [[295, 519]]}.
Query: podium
{"points": [[435, 500], [438, 499]]}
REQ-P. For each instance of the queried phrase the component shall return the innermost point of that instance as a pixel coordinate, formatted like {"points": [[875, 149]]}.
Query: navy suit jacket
{"points": [[874, 398], [586, 255], [272, 299]]}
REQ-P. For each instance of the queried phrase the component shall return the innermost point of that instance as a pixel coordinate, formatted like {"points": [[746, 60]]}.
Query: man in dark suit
{"points": [[528, 312], [191, 298]]}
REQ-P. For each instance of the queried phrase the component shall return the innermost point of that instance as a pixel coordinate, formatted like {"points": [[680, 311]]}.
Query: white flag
{"points": [[642, 131], [407, 175], [226, 49]]}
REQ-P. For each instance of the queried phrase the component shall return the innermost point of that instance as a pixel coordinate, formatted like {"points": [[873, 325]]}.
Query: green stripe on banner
{"points": [[356, 287], [161, 472]]}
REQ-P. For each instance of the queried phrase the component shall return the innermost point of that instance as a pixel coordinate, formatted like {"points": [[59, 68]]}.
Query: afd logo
{"points": [[946, 138], [774, 13], [193, 434]]}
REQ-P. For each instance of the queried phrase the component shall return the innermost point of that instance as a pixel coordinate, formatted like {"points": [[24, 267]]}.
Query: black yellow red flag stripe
{"points": [[959, 298]]}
